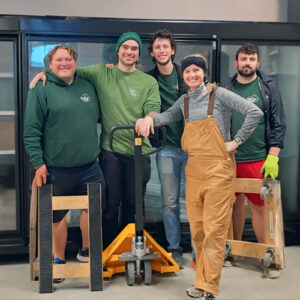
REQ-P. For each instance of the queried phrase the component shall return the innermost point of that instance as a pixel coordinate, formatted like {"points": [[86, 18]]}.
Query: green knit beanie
{"points": [[129, 36]]}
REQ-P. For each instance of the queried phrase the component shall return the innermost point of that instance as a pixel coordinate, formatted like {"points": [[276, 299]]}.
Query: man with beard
{"points": [[172, 159], [125, 94], [259, 154]]}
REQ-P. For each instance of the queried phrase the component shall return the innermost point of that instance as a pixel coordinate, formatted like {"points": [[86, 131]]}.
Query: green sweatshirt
{"points": [[124, 97], [60, 126]]}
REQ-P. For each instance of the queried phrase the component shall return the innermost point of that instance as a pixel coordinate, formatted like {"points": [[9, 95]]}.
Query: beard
{"points": [[164, 62], [247, 73]]}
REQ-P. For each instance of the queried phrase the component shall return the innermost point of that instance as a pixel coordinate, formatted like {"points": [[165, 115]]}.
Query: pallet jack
{"points": [[272, 251], [134, 251]]}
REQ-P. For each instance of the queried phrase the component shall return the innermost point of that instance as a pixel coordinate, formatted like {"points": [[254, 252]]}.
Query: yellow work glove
{"points": [[270, 167]]}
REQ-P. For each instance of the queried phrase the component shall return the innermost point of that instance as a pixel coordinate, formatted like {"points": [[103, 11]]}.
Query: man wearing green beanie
{"points": [[258, 156], [129, 36], [125, 95]]}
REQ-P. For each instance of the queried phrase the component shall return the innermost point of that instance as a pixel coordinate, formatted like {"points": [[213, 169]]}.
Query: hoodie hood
{"points": [[55, 79]]}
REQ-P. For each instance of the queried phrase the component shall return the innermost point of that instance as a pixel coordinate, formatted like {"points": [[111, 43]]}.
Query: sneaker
{"points": [[193, 265], [209, 296], [177, 256], [227, 263], [194, 293], [83, 255], [57, 260]]}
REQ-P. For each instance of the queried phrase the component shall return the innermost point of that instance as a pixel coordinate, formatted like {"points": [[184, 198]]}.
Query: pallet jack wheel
{"points": [[147, 272], [130, 272]]}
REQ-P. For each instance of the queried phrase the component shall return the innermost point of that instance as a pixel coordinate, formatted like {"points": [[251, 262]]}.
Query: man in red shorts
{"points": [[258, 156]]}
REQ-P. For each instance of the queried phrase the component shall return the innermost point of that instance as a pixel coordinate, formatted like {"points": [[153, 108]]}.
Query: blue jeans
{"points": [[170, 165]]}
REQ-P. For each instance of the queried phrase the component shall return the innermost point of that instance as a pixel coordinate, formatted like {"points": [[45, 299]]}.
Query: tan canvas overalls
{"points": [[210, 172]]}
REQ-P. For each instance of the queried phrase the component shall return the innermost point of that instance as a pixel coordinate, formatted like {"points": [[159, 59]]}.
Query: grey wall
{"points": [[227, 10], [293, 11]]}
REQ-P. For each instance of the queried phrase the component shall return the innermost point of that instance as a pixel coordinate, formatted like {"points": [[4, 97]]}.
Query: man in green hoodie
{"points": [[60, 137]]}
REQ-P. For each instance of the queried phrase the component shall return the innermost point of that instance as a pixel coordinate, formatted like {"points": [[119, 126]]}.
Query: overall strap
{"points": [[211, 102], [186, 100]]}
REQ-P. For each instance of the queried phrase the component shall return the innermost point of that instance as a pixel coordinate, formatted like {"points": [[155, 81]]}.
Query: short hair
{"points": [[247, 48], [163, 34], [70, 50]]}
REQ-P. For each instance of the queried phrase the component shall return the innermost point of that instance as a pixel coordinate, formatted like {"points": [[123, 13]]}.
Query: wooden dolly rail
{"points": [[42, 206], [272, 251]]}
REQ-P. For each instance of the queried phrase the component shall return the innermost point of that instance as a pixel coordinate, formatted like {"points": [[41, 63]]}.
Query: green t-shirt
{"points": [[254, 147], [124, 97], [169, 93]]}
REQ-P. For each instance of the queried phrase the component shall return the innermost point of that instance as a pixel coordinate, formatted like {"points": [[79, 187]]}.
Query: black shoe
{"points": [[209, 296], [83, 255], [177, 256], [57, 260]]}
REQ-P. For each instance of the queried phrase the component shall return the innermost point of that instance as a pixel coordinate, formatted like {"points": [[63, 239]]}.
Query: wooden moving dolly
{"points": [[273, 249], [40, 247]]}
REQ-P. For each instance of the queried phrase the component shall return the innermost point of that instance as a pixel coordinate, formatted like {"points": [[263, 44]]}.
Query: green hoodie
{"points": [[60, 126]]}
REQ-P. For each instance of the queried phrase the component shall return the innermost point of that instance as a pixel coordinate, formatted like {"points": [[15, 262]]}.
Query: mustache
{"points": [[247, 66]]}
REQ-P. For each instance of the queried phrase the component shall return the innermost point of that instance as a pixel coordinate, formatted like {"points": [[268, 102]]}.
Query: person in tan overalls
{"points": [[210, 170]]}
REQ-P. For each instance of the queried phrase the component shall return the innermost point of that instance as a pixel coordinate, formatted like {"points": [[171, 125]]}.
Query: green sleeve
{"points": [[90, 73], [35, 117], [152, 102]]}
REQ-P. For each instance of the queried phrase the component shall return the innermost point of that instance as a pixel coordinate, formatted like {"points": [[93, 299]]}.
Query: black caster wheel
{"points": [[266, 189], [130, 272], [227, 250], [268, 257], [147, 272]]}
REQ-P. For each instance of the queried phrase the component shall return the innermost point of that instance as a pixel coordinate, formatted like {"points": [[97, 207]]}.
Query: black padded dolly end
{"points": [[95, 235], [45, 239]]}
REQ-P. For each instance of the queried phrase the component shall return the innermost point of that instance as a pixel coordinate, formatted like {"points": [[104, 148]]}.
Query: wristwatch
{"points": [[237, 139]]}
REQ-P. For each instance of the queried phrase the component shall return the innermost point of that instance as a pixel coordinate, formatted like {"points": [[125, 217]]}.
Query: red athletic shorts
{"points": [[250, 170]]}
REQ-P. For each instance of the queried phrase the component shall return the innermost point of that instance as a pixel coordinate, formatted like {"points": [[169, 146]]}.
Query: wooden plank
{"points": [[69, 202], [247, 185], [45, 239], [95, 237], [249, 249], [33, 230], [269, 220], [71, 270], [279, 232]]}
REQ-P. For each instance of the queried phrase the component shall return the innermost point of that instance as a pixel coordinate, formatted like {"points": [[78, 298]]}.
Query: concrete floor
{"points": [[241, 282]]}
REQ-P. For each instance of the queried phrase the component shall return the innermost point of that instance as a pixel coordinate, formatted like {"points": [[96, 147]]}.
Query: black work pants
{"points": [[119, 174]]}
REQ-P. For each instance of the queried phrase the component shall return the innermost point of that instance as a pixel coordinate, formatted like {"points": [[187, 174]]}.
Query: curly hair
{"points": [[247, 48], [163, 34]]}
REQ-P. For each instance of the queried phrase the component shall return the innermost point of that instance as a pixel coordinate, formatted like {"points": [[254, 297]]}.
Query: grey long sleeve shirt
{"points": [[225, 102]]}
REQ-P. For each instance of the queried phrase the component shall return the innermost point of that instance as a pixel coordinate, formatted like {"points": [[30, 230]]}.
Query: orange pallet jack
{"points": [[272, 251], [134, 251]]}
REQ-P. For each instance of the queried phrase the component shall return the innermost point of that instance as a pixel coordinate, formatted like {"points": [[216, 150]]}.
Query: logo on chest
{"points": [[132, 92], [254, 98], [85, 98]]}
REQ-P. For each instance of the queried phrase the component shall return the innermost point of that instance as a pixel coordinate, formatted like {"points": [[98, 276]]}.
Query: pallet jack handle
{"points": [[138, 159], [122, 127]]}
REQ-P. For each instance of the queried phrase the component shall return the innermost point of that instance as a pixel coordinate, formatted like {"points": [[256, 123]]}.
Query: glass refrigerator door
{"points": [[101, 53], [8, 211], [281, 62]]}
